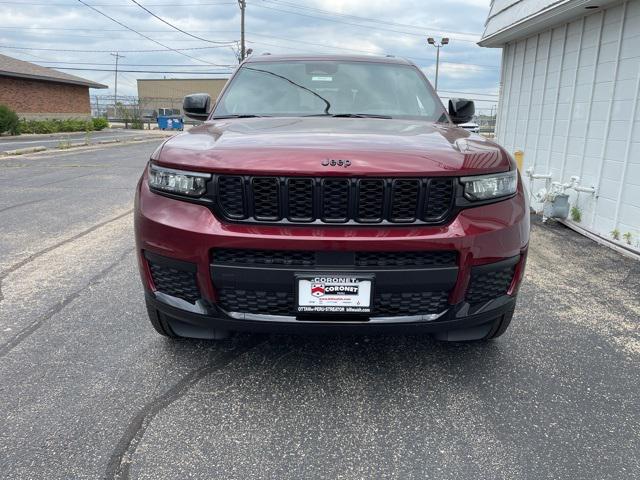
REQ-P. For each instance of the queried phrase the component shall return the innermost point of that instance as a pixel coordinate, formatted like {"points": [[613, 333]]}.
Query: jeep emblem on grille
{"points": [[336, 163]]}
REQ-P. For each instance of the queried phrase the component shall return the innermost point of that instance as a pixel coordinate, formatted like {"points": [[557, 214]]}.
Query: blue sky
{"points": [[56, 31]]}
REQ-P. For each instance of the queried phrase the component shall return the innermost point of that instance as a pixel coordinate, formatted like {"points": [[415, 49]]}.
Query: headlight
{"points": [[191, 184], [486, 187]]}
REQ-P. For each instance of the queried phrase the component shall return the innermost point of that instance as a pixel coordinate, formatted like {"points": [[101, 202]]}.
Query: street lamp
{"points": [[443, 41]]}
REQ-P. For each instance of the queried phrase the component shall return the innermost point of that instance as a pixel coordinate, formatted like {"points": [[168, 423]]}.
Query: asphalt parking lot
{"points": [[89, 390]]}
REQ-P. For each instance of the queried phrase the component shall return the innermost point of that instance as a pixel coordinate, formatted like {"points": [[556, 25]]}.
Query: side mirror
{"points": [[461, 110], [197, 106]]}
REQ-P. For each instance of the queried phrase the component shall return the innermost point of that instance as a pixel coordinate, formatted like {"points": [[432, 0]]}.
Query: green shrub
{"points": [[9, 121], [576, 214], [100, 123], [56, 125]]}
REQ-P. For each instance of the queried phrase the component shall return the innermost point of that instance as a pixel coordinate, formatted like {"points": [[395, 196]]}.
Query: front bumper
{"points": [[202, 321], [186, 236]]}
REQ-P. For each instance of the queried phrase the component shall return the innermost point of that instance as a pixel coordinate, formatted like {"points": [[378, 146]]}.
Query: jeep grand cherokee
{"points": [[330, 194]]}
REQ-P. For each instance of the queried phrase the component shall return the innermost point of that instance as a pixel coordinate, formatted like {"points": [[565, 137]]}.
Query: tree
{"points": [[9, 121]]}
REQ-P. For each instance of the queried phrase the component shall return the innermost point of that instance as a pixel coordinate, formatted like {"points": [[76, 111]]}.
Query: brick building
{"points": [[33, 91]]}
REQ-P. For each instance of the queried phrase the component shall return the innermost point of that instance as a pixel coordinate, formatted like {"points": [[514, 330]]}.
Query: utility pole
{"points": [[243, 50], [115, 97], [443, 41]]}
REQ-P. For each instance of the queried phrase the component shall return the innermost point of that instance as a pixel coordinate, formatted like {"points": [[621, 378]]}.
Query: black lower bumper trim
{"points": [[460, 316]]}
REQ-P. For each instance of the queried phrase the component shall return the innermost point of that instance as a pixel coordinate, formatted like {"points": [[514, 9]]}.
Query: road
{"points": [[89, 390], [51, 141]]}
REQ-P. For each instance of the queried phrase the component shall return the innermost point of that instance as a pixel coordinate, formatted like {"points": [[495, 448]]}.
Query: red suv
{"points": [[330, 194]]}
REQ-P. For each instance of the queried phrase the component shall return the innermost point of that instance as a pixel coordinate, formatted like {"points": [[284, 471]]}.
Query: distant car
{"points": [[330, 194], [470, 126]]}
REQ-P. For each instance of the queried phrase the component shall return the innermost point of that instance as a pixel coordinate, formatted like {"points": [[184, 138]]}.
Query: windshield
{"points": [[343, 88]]}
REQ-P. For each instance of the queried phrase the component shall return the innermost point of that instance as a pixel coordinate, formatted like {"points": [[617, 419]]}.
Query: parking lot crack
{"points": [[23, 204], [38, 254], [118, 467], [32, 327]]}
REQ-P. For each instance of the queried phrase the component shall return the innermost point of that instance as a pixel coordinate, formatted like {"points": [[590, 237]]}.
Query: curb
{"points": [[22, 151]]}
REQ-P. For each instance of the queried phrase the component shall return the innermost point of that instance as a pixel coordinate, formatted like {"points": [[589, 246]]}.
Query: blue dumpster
{"points": [[170, 122]]}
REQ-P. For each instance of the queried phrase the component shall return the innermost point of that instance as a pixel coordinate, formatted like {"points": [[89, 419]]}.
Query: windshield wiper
{"points": [[243, 115], [360, 115], [326, 102]]}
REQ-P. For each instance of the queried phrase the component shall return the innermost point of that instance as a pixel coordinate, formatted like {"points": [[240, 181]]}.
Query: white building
{"points": [[569, 99]]}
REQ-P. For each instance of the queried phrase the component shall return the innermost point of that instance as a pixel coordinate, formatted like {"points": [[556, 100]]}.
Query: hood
{"points": [[374, 147]]}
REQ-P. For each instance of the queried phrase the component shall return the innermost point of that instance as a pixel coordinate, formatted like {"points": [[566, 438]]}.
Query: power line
{"points": [[471, 93], [114, 5], [367, 19], [9, 47], [354, 50], [175, 27], [137, 71], [355, 24], [128, 64], [143, 35]]}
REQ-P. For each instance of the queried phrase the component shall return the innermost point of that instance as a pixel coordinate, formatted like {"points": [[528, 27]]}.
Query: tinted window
{"points": [[299, 88]]}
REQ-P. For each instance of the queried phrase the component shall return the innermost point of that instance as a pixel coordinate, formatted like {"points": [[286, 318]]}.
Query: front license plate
{"points": [[334, 293]]}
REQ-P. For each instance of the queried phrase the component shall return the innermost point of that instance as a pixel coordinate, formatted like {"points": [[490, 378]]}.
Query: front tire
{"points": [[480, 333], [158, 324], [177, 329], [500, 326]]}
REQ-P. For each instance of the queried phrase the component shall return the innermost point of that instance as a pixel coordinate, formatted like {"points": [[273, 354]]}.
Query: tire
{"points": [[182, 330], [161, 327], [500, 326], [480, 333]]}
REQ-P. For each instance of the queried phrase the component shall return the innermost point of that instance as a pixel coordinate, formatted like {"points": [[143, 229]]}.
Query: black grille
{"points": [[265, 303], [406, 259], [404, 200], [439, 199], [174, 282], [410, 303], [486, 286], [266, 198], [282, 303], [297, 258], [335, 200], [231, 197], [264, 257], [300, 197], [370, 200]]}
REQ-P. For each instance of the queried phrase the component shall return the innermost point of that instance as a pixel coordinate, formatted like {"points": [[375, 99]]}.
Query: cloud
{"points": [[278, 26]]}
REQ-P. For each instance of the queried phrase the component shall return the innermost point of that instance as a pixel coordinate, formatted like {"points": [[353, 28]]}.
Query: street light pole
{"points": [[443, 41]]}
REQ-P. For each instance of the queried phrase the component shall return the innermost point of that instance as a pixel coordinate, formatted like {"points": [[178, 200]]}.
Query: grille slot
{"points": [[486, 286], [370, 200], [334, 200], [300, 191], [266, 198], [404, 200], [439, 200], [174, 282], [231, 196]]}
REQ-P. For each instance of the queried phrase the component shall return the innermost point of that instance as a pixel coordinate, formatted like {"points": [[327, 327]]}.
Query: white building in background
{"points": [[570, 100]]}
